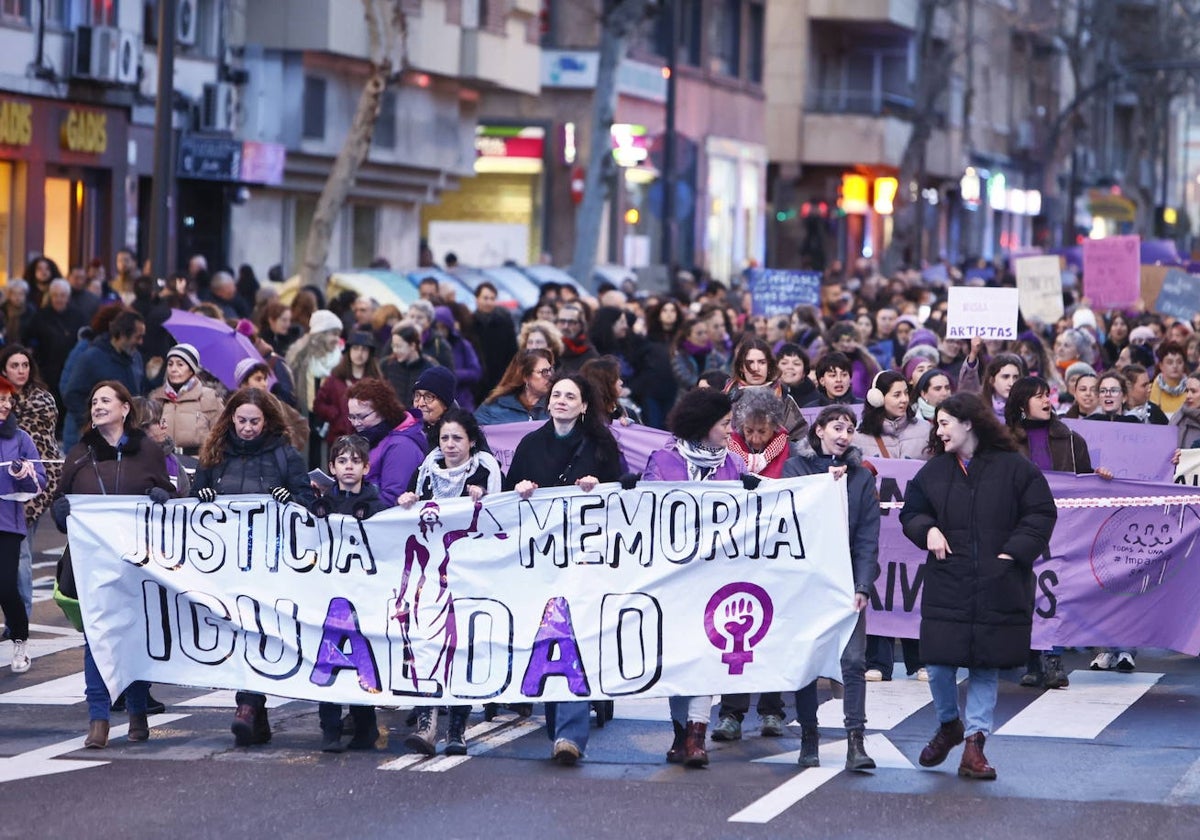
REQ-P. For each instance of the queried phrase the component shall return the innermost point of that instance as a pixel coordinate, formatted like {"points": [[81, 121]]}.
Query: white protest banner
{"points": [[1187, 471], [981, 312], [1039, 288], [665, 589]]}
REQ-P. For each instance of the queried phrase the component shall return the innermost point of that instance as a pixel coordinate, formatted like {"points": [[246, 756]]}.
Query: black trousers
{"points": [[10, 597]]}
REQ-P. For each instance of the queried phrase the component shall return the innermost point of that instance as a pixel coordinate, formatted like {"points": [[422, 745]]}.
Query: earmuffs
{"points": [[875, 396]]}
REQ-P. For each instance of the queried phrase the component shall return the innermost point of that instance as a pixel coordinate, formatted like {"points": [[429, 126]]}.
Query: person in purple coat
{"points": [[701, 422], [397, 436], [467, 368]]}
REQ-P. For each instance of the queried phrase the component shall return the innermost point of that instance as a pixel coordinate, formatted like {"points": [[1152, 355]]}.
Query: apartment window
{"points": [[688, 32], [385, 126], [755, 24], [725, 38], [103, 12], [304, 207], [314, 108], [363, 226], [56, 14], [14, 11], [474, 13]]}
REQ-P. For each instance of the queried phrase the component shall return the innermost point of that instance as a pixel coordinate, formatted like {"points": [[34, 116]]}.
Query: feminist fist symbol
{"points": [[746, 608]]}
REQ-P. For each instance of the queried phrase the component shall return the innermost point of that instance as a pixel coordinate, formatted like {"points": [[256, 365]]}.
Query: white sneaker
{"points": [[20, 660], [1104, 661], [1125, 661], [873, 675], [922, 675]]}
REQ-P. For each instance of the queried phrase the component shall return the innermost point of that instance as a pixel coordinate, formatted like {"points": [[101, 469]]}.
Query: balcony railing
{"points": [[860, 101]]}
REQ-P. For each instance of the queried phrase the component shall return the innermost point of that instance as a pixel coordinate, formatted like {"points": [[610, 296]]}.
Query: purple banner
{"points": [[1119, 570], [636, 441], [1133, 451]]}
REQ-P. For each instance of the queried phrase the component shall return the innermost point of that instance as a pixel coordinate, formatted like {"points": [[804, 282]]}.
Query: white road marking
{"points": [[442, 763], [766, 808], [833, 754], [1187, 789], [888, 704], [41, 647], [64, 691], [1083, 710], [225, 699]]}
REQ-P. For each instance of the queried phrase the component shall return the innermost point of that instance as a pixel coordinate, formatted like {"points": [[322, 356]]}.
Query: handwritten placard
{"points": [[1135, 451], [1179, 296], [1187, 471], [1039, 288], [981, 312], [1112, 271], [779, 291]]}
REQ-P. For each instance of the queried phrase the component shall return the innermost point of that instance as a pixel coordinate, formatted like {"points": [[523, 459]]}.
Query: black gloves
{"points": [[60, 509], [281, 495], [750, 481], [158, 495], [206, 494], [360, 511], [321, 508], [629, 480]]}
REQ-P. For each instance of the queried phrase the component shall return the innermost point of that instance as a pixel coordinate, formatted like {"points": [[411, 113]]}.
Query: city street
{"points": [[1114, 756]]}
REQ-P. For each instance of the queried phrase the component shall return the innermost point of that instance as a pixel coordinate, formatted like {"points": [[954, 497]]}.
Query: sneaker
{"points": [[1125, 663], [566, 752], [727, 729], [1104, 661], [923, 675], [20, 660], [873, 675], [772, 726]]}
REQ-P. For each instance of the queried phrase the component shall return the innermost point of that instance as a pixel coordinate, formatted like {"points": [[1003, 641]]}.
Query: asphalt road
{"points": [[1113, 756]]}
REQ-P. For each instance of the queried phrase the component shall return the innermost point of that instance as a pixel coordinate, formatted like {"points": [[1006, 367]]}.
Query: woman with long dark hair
{"points": [[329, 405], [574, 448], [985, 514], [522, 390]]}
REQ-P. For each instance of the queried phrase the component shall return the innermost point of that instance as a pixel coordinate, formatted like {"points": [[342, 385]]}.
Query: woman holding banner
{"points": [[829, 450], [985, 514], [701, 423], [574, 448], [113, 457]]}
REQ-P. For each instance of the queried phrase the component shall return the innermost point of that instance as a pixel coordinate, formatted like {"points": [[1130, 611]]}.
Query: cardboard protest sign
{"points": [[778, 292], [981, 312], [1179, 296], [1039, 288], [1112, 271], [1151, 281]]}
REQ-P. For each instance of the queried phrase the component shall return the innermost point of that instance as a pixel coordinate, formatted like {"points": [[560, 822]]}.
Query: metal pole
{"points": [[163, 188], [668, 175]]}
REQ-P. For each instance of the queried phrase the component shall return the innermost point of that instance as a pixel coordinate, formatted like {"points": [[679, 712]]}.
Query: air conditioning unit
{"points": [[186, 22], [129, 50], [96, 53], [219, 111]]}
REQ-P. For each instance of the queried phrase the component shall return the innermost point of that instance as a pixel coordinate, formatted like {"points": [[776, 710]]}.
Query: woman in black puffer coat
{"points": [[985, 513]]}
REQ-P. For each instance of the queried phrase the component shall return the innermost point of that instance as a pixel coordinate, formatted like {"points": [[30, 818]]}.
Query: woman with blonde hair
{"points": [[541, 335]]}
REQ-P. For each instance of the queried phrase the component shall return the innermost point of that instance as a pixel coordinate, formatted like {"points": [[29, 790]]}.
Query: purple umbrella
{"points": [[220, 346]]}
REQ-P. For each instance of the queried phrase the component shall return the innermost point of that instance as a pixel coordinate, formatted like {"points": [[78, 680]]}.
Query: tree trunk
{"points": [[387, 26], [620, 19]]}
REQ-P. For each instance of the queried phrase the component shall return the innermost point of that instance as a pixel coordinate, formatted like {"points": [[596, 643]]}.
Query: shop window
{"points": [[314, 108], [725, 37], [57, 14], [688, 32], [7, 266], [14, 11], [56, 241], [385, 126], [363, 227]]}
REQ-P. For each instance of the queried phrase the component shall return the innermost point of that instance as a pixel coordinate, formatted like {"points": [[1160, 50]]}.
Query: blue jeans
{"points": [[97, 695], [25, 571], [982, 687], [569, 720], [854, 700]]}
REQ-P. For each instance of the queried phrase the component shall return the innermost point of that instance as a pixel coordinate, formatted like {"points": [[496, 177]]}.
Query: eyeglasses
{"points": [[1110, 392], [546, 372], [360, 418], [568, 322], [423, 397]]}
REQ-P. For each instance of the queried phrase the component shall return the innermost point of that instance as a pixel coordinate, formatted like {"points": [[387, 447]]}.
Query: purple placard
{"points": [[1118, 572], [636, 441], [1133, 451], [1112, 271]]}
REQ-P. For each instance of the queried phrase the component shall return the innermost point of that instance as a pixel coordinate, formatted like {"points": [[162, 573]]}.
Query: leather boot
{"points": [[262, 727], [694, 753], [97, 737], [810, 747], [856, 754], [366, 728], [1055, 676], [456, 737], [139, 727], [974, 764], [424, 738], [678, 751], [243, 725], [948, 736]]}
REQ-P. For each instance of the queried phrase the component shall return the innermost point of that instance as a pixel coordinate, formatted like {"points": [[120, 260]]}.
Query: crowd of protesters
{"points": [[395, 405]]}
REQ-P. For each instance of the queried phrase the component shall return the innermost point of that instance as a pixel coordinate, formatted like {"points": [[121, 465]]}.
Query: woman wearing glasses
{"points": [[521, 394], [397, 439]]}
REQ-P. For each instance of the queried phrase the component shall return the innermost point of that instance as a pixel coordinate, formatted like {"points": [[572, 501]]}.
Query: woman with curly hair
{"points": [[541, 335], [760, 437], [521, 393], [397, 436], [247, 453]]}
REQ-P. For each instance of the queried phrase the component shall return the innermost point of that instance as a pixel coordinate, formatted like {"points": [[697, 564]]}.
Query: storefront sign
{"points": [[209, 158], [16, 123], [84, 131]]}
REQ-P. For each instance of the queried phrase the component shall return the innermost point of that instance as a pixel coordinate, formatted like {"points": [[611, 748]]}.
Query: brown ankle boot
{"points": [[694, 753], [139, 727], [974, 763], [243, 725], [262, 727], [948, 736], [678, 751], [97, 737]]}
